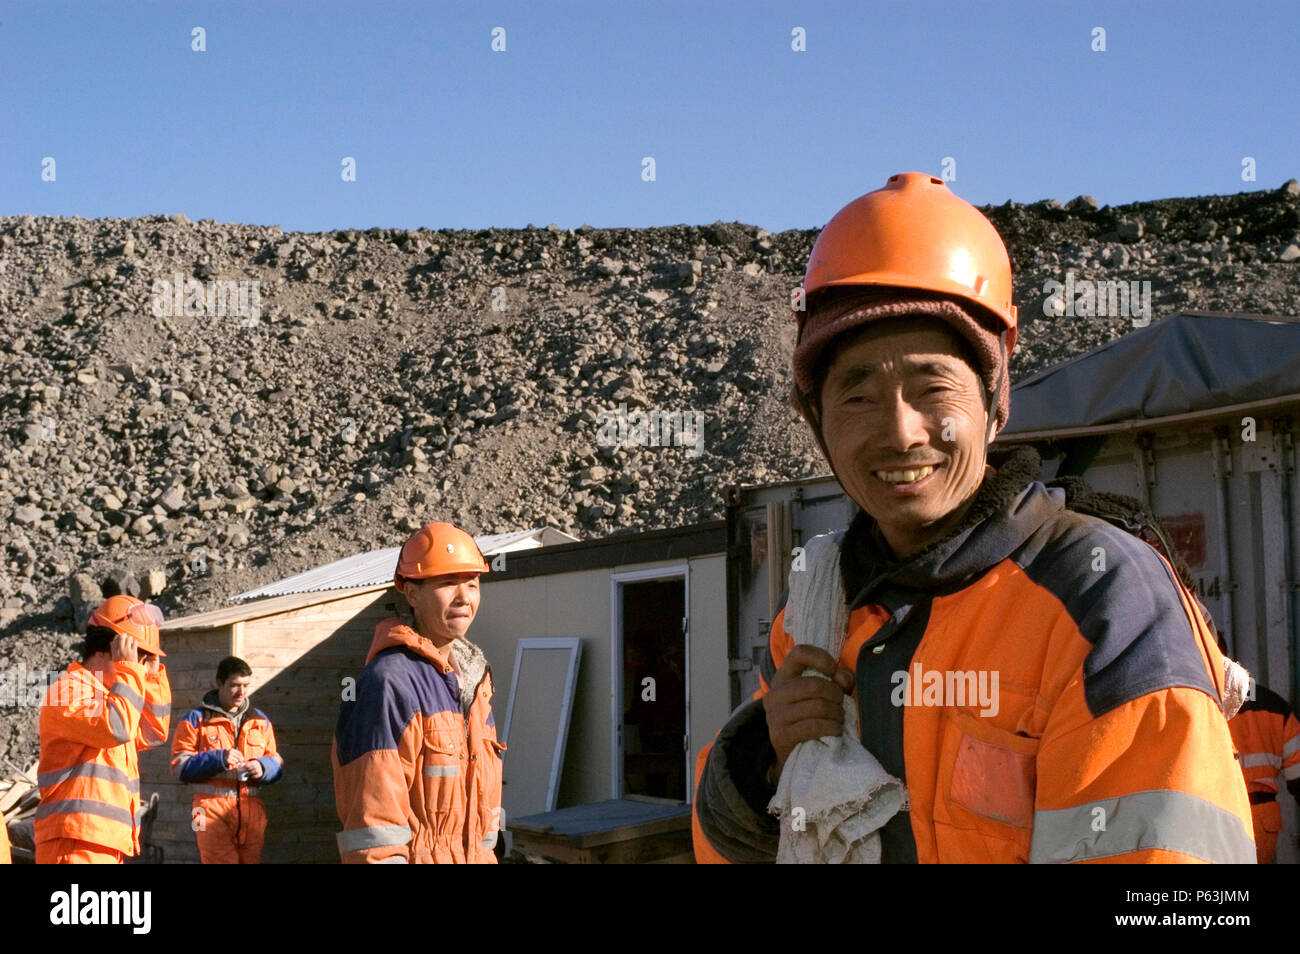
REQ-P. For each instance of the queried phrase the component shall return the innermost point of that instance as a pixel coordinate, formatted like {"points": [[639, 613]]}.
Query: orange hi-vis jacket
{"points": [[417, 765], [89, 770], [204, 737], [1040, 679], [1267, 737]]}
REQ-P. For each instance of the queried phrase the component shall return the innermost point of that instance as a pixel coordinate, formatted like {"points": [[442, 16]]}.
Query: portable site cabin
{"points": [[303, 636], [1194, 414], [644, 606]]}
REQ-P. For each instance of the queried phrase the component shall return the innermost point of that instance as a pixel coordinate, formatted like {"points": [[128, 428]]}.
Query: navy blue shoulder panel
{"points": [[194, 717], [258, 713], [395, 687], [1123, 599]]}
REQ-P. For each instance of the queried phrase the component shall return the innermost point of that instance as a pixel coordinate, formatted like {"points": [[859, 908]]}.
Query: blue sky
{"points": [[447, 133]]}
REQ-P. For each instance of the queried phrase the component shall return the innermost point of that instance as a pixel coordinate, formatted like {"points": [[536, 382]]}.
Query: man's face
{"points": [[444, 606], [232, 693], [903, 418]]}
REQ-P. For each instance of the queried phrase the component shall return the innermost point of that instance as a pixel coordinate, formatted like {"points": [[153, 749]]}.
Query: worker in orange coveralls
{"points": [[226, 750], [417, 765]]}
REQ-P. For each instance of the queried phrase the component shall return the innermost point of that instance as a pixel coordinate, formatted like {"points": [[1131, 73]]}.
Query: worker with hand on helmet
{"points": [[94, 720], [417, 765], [1102, 738]]}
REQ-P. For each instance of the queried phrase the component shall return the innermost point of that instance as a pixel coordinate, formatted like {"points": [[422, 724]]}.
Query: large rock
{"points": [[27, 515], [119, 581], [152, 584], [82, 588]]}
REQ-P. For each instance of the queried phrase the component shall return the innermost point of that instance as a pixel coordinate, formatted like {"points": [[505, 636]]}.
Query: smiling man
{"points": [[1107, 741], [417, 765]]}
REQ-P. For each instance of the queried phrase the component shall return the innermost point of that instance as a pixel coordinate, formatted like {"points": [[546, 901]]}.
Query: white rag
{"points": [[1236, 687], [834, 796]]}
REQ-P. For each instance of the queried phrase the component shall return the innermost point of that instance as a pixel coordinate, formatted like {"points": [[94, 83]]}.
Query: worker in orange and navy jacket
{"points": [[225, 749], [94, 720], [417, 765], [1104, 740], [1267, 737]]}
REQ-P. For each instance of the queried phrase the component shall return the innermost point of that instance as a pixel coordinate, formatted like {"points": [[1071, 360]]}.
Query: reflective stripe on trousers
{"points": [[376, 836]]}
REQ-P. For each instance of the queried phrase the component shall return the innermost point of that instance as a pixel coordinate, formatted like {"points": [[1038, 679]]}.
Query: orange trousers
{"points": [[229, 833], [1267, 817], [70, 851]]}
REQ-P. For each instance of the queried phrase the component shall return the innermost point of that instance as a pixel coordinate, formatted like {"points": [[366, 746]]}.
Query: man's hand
{"points": [[253, 767], [800, 708], [123, 648], [234, 758]]}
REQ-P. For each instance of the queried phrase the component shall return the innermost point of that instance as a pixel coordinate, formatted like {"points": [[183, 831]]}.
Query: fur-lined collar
{"points": [[460, 655], [1008, 506]]}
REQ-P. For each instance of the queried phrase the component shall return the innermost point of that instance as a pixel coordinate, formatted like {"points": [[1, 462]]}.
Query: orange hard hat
{"points": [[914, 233], [437, 549], [131, 617]]}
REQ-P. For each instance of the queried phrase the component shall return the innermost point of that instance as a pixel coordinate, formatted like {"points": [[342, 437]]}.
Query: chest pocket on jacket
{"points": [[443, 771], [254, 741], [987, 784]]}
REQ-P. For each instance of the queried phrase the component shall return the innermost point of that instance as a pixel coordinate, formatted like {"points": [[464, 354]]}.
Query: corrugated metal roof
{"points": [[376, 567], [217, 618]]}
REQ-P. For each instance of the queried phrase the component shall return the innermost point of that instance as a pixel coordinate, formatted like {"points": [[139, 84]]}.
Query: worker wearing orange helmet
{"points": [[94, 720], [1103, 738], [225, 750], [417, 765]]}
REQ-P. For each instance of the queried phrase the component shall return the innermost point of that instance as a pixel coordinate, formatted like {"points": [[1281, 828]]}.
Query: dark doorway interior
{"points": [[654, 689]]}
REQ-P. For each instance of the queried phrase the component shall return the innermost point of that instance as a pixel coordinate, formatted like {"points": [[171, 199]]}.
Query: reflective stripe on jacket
{"points": [[208, 733], [1100, 740], [417, 765], [90, 735], [1267, 737]]}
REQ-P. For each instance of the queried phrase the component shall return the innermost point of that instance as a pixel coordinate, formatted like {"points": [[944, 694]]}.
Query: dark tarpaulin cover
{"points": [[1186, 362]]}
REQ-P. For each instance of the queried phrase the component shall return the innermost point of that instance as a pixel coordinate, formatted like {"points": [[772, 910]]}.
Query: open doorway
{"points": [[653, 680]]}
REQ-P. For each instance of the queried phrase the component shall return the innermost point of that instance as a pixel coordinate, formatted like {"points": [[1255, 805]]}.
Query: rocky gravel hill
{"points": [[181, 449]]}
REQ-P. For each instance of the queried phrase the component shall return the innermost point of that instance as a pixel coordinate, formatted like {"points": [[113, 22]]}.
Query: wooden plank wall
{"points": [[300, 659]]}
